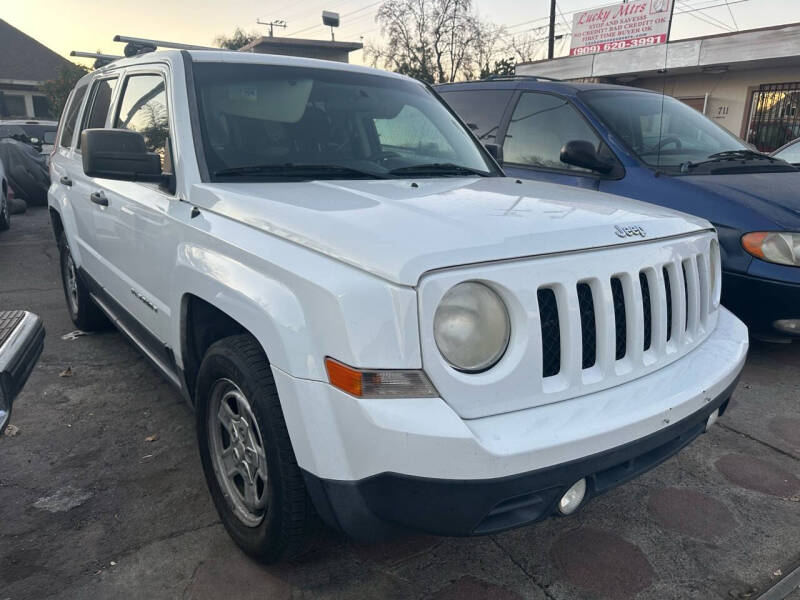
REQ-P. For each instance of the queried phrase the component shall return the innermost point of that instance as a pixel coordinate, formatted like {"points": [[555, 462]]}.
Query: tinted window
{"points": [[144, 109], [663, 131], [267, 122], [481, 110], [99, 104], [71, 117], [539, 128]]}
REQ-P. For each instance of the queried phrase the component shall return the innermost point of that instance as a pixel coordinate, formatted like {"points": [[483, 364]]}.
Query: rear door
{"points": [[65, 169], [540, 125]]}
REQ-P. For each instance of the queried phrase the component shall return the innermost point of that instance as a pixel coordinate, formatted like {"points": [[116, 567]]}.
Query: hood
{"points": [[398, 229], [773, 196]]}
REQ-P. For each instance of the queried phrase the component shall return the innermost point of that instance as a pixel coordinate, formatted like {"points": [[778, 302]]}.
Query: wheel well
{"points": [[202, 325], [55, 221]]}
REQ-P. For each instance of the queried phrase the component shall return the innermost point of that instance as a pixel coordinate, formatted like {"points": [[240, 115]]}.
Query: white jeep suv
{"points": [[371, 322]]}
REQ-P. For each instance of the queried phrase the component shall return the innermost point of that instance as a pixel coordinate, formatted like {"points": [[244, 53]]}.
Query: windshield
{"points": [[665, 140], [270, 122]]}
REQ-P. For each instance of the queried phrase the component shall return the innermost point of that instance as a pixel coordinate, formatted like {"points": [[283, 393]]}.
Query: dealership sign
{"points": [[630, 25]]}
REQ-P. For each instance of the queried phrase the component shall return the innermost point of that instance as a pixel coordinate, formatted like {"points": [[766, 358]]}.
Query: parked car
{"points": [[789, 152], [369, 319], [30, 131], [5, 199], [21, 344], [650, 147]]}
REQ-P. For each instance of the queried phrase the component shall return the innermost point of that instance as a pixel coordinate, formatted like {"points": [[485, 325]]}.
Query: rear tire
{"points": [[248, 460], [5, 210], [86, 315]]}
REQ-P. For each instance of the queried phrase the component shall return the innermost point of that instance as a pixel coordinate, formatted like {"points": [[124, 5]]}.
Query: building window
{"points": [[774, 115], [14, 105], [41, 108]]}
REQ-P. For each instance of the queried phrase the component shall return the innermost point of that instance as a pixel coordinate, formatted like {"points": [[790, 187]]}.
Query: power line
{"points": [[735, 24]]}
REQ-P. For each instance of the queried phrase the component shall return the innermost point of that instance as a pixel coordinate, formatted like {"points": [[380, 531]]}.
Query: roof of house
{"points": [[22, 58]]}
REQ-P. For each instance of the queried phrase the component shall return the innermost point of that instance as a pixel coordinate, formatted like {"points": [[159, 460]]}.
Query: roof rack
{"points": [[101, 60], [135, 46], [532, 77]]}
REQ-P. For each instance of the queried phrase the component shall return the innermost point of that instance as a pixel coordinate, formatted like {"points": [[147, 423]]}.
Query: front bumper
{"points": [[21, 344], [373, 466], [760, 302]]}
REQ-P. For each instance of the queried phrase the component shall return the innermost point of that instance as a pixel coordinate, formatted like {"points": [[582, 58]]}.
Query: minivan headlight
{"points": [[774, 247], [471, 327]]}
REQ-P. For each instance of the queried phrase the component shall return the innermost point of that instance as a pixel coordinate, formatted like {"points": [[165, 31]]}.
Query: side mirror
{"points": [[49, 137], [583, 154], [496, 150], [119, 154]]}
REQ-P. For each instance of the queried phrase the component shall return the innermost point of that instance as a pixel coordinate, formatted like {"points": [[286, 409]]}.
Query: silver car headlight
{"points": [[471, 327], [774, 247]]}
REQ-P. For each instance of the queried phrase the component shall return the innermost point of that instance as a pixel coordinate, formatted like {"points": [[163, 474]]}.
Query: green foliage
{"points": [[58, 89], [239, 39], [505, 67]]}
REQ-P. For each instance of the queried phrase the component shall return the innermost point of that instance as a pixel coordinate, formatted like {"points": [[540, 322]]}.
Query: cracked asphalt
{"points": [[89, 508]]}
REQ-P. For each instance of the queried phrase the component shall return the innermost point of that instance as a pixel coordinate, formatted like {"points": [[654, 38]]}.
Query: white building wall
{"points": [[728, 93]]}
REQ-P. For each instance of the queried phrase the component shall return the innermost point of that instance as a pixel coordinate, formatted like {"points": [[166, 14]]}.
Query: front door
{"points": [[539, 127], [133, 228]]}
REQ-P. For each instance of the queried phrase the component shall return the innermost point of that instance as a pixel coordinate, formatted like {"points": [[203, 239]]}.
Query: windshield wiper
{"points": [[742, 153], [302, 171], [440, 169]]}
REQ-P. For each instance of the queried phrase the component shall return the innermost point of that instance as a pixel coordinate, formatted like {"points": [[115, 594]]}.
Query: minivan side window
{"points": [[143, 109], [71, 117], [539, 128], [481, 110], [99, 102]]}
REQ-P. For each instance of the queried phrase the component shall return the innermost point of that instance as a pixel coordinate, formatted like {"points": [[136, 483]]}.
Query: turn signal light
{"points": [[376, 383]]}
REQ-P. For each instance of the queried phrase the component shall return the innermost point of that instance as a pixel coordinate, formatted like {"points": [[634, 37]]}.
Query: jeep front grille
{"points": [[582, 322]]}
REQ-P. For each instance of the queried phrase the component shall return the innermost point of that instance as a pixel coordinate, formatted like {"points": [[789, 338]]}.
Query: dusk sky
{"points": [[89, 25]]}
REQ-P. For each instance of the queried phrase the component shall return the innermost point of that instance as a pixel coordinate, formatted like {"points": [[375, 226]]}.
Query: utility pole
{"points": [[551, 38], [271, 24]]}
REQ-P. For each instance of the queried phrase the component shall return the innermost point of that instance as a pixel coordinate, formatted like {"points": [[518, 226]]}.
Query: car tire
{"points": [[5, 209], [86, 315], [248, 460]]}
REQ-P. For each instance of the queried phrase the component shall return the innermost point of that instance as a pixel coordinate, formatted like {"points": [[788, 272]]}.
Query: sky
{"points": [[90, 25]]}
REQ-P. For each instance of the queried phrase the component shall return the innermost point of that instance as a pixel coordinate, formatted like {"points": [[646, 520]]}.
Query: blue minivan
{"points": [[651, 147]]}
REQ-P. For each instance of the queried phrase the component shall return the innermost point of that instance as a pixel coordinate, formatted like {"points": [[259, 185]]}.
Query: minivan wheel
{"points": [[86, 315], [5, 210], [247, 457]]}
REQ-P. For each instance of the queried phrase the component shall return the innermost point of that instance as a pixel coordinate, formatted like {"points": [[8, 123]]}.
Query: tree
{"points": [[58, 89], [505, 67], [239, 39], [437, 41]]}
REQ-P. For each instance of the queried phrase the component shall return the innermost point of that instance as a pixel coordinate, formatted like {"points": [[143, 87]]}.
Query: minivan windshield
{"points": [[274, 122], [662, 131]]}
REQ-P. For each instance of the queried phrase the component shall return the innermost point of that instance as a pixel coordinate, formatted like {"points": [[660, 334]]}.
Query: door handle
{"points": [[99, 198], [66, 181]]}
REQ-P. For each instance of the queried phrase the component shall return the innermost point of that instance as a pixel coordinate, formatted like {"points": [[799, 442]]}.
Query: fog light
{"points": [[788, 326], [570, 501], [712, 418]]}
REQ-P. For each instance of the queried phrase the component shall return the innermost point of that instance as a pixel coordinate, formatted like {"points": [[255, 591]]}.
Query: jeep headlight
{"points": [[471, 327], [774, 247]]}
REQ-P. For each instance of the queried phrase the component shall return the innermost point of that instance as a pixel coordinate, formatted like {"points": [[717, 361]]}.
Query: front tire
{"points": [[247, 457], [86, 315]]}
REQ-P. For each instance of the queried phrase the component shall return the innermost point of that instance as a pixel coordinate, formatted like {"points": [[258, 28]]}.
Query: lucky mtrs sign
{"points": [[621, 26]]}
